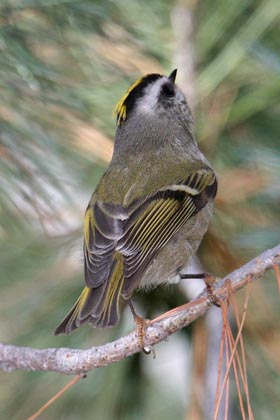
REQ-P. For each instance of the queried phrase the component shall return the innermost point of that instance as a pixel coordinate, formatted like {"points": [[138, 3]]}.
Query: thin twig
{"points": [[73, 361]]}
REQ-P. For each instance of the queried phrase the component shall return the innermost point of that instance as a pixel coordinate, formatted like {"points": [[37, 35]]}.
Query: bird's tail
{"points": [[98, 306]]}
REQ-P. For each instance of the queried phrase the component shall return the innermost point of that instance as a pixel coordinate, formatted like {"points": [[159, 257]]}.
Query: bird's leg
{"points": [[209, 281], [140, 328]]}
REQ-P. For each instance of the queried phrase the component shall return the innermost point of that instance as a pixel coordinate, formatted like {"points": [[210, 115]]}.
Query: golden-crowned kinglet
{"points": [[152, 206]]}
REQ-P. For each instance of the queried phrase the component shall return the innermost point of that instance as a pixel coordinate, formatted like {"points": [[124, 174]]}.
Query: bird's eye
{"points": [[168, 89]]}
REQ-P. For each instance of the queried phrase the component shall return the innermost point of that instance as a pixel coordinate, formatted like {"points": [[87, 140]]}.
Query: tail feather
{"points": [[110, 314], [70, 322], [90, 305], [98, 306]]}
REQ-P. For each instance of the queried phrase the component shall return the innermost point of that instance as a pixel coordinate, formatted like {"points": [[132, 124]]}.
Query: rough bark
{"points": [[73, 361]]}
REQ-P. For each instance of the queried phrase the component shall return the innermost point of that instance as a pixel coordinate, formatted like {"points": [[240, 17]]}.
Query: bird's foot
{"points": [[141, 324], [209, 281]]}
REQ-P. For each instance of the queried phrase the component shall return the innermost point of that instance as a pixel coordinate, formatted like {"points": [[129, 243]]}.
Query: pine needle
{"points": [[242, 368], [277, 274], [55, 397], [234, 360]]}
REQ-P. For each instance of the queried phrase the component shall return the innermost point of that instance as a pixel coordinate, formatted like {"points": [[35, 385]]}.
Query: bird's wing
{"points": [[138, 232], [150, 226], [103, 226], [120, 242]]}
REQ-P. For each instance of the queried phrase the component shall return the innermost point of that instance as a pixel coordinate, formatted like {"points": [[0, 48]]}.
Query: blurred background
{"points": [[63, 66]]}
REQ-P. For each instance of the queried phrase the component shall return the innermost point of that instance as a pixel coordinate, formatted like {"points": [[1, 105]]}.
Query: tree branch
{"points": [[72, 361]]}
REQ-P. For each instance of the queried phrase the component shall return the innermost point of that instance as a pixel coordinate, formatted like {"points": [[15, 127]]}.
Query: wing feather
{"points": [[120, 242], [166, 227], [136, 233]]}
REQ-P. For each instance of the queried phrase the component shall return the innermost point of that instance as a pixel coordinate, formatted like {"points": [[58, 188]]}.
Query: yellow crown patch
{"points": [[120, 108]]}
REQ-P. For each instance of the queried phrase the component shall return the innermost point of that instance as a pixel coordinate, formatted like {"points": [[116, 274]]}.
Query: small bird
{"points": [[151, 208]]}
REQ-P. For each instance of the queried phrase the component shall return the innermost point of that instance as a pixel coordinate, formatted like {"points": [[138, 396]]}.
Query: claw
{"points": [[210, 280], [141, 324]]}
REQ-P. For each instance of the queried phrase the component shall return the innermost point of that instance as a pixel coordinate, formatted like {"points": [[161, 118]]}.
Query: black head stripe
{"points": [[134, 92]]}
